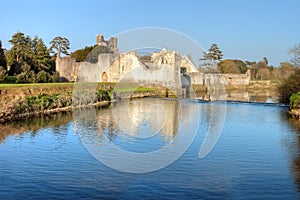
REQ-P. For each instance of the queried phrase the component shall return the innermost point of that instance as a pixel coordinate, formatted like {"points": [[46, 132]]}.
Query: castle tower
{"points": [[113, 44], [99, 39]]}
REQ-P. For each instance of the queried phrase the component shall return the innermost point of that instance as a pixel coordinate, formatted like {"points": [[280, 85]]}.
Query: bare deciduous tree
{"points": [[296, 53]]}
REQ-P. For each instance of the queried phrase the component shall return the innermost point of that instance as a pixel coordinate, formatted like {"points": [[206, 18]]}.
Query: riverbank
{"points": [[295, 113], [20, 101], [23, 101], [295, 106]]}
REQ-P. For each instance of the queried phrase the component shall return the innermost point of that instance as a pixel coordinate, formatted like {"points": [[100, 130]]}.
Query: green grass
{"points": [[10, 85], [10, 80], [134, 89], [128, 87]]}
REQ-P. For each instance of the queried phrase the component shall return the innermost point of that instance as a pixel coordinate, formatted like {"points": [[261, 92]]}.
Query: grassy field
{"points": [[102, 86], [9, 85], [68, 87]]}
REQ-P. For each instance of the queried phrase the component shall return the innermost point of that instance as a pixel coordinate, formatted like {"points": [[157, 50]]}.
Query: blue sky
{"points": [[247, 30]]}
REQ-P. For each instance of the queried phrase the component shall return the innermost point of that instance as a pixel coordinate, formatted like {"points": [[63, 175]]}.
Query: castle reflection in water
{"points": [[142, 119], [136, 119]]}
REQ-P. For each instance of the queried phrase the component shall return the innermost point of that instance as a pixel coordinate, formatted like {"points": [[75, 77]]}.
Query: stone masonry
{"points": [[163, 68]]}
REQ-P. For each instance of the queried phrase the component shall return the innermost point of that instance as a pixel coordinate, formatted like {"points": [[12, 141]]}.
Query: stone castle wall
{"points": [[162, 69], [67, 68], [220, 79], [95, 72]]}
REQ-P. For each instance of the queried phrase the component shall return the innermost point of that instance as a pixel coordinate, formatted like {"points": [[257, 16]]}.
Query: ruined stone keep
{"points": [[161, 68]]}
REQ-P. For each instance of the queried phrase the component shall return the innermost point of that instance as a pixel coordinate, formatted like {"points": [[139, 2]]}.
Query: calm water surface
{"points": [[256, 157]]}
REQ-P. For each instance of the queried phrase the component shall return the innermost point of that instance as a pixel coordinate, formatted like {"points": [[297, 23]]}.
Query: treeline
{"points": [[211, 62], [258, 71], [288, 72], [29, 60]]}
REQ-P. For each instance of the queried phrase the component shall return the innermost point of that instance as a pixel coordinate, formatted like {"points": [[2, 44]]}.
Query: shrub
{"points": [[26, 77], [102, 95], [21, 78], [43, 102], [289, 86], [295, 100], [54, 77], [42, 77], [3, 74], [10, 79]]}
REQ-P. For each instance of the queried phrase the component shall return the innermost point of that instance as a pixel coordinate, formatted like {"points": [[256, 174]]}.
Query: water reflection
{"points": [[240, 95], [139, 135], [257, 156], [135, 119], [294, 148], [107, 123], [34, 124], [144, 119]]}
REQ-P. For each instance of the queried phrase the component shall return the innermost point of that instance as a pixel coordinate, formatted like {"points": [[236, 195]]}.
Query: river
{"points": [[251, 151]]}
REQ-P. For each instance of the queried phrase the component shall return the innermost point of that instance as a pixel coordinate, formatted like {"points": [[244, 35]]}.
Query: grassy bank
{"points": [[23, 100], [37, 104]]}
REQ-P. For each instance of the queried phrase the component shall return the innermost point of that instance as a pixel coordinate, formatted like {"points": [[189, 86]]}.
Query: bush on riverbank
{"points": [[290, 86], [86, 97], [295, 101], [42, 102]]}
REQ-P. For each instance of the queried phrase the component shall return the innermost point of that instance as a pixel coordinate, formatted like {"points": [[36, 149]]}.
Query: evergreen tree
{"points": [[30, 60], [214, 54], [18, 42], [265, 60], [60, 45], [28, 53], [42, 58], [19, 54], [3, 74], [34, 42], [2, 57]]}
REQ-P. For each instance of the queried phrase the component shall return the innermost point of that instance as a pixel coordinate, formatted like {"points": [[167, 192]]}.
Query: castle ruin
{"points": [[112, 43], [162, 68]]}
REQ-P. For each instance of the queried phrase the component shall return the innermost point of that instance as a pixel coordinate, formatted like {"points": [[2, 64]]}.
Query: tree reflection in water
{"points": [[54, 121], [295, 151]]}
